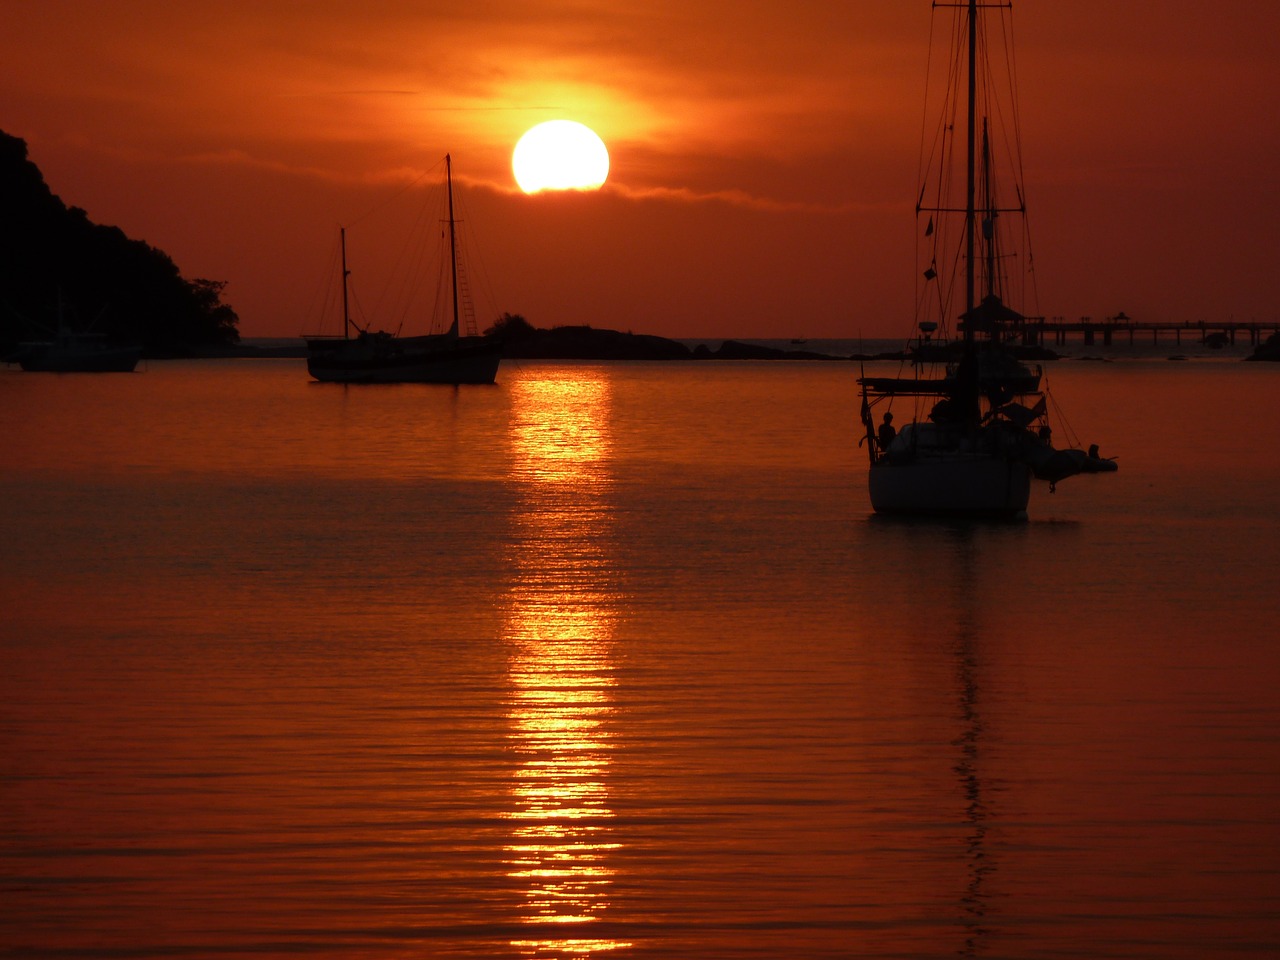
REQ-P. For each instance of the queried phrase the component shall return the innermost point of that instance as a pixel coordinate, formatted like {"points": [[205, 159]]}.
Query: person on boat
{"points": [[886, 433]]}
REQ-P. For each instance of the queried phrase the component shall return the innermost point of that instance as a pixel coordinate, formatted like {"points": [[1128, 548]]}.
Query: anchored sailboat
{"points": [[374, 356], [76, 351], [979, 432]]}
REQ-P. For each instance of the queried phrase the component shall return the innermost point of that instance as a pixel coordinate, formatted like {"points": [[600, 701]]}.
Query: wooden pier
{"points": [[1036, 331]]}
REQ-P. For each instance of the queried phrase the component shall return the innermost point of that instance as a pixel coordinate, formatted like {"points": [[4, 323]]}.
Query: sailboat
{"points": [[76, 351], [375, 356], [979, 432]]}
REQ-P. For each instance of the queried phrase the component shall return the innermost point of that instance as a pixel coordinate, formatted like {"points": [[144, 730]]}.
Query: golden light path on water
{"points": [[559, 626]]}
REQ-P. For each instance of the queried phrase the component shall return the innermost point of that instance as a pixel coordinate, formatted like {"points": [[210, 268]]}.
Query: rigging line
{"points": [[924, 115], [405, 281], [938, 158], [354, 310], [418, 255], [1022, 180], [1011, 66], [438, 226], [439, 305], [435, 227], [358, 310], [323, 293], [920, 169], [404, 187], [944, 136], [1010, 127], [935, 157], [1072, 438], [475, 262], [1006, 112]]}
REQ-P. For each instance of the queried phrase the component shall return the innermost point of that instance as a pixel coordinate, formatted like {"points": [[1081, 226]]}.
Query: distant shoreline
{"points": [[590, 344], [733, 350]]}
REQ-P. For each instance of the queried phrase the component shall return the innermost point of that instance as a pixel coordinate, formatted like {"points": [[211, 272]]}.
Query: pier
{"points": [[1036, 331]]}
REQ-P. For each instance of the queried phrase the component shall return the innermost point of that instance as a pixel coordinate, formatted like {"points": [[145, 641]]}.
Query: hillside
{"points": [[51, 253]]}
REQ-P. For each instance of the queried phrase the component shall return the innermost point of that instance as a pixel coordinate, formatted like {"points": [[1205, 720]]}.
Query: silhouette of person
{"points": [[886, 432]]}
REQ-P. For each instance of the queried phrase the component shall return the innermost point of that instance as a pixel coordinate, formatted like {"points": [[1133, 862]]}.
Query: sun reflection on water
{"points": [[560, 625]]}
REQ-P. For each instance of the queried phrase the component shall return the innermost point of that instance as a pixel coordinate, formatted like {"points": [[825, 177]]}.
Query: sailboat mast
{"points": [[346, 311], [989, 214], [970, 180], [453, 244]]}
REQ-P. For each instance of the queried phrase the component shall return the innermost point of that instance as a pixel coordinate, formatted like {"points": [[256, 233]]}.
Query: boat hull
{"points": [[404, 360], [977, 487], [52, 359]]}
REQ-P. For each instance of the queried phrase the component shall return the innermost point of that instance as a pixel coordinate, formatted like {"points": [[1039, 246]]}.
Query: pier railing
{"points": [[1036, 331]]}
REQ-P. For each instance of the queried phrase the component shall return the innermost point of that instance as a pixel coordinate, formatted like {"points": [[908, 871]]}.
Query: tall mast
{"points": [[989, 214], [969, 217], [453, 244], [346, 312]]}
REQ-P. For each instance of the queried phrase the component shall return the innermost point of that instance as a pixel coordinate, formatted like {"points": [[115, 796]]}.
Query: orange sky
{"points": [[764, 154]]}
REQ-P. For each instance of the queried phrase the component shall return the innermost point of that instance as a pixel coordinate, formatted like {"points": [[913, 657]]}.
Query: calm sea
{"points": [[612, 660]]}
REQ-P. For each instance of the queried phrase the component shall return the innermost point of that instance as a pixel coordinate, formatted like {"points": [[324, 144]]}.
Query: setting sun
{"points": [[560, 155]]}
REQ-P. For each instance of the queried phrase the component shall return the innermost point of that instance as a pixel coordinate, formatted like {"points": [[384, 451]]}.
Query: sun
{"points": [[560, 155]]}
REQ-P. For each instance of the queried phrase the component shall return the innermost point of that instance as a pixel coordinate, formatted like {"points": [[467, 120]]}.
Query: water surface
{"points": [[611, 659]]}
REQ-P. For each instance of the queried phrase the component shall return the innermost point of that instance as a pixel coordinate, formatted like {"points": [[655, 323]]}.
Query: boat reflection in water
{"points": [[973, 742], [559, 627]]}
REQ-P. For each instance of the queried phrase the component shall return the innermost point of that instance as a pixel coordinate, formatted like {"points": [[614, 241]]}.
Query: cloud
{"points": [[734, 198]]}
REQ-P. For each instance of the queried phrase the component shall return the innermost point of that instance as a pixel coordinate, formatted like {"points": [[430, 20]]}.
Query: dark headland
{"points": [[59, 268]]}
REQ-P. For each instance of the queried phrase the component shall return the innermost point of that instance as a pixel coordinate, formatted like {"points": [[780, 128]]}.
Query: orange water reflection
{"points": [[559, 624]]}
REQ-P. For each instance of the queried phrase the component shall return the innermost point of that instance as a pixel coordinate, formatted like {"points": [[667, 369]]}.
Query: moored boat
{"points": [[979, 431], [77, 353], [375, 356], [74, 351]]}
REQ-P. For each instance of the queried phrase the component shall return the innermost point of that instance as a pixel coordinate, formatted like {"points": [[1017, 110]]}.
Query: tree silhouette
{"points": [[510, 326], [58, 266]]}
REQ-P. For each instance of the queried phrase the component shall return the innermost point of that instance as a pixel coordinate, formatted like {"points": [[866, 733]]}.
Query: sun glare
{"points": [[560, 155]]}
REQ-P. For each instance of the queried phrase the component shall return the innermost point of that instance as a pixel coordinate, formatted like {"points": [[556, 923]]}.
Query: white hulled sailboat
{"points": [[979, 432]]}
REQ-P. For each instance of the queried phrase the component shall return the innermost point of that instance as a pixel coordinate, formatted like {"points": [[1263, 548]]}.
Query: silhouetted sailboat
{"points": [[979, 432], [76, 351], [374, 356]]}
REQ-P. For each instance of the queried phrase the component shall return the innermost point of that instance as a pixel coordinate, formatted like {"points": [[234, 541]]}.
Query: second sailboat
{"points": [[375, 356]]}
